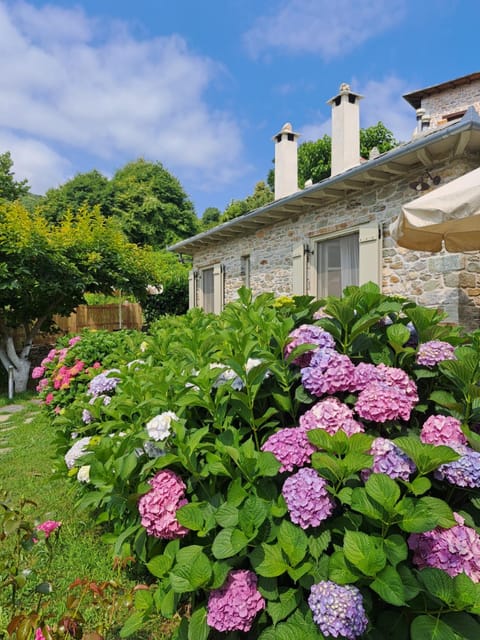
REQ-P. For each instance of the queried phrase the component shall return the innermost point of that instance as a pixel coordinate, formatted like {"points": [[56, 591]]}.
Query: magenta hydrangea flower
{"points": [[464, 472], [291, 447], [308, 334], [307, 498], [438, 429], [380, 402], [331, 415], [366, 374], [455, 550], [38, 372], [39, 634], [234, 606], [389, 459], [48, 527], [74, 340], [431, 353], [329, 372], [338, 610], [159, 506]]}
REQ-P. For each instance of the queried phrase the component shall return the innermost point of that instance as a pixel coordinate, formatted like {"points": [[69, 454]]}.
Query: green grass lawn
{"points": [[26, 472]]}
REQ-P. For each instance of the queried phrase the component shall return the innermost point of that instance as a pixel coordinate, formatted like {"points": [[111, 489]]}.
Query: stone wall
{"points": [[450, 101], [448, 281]]}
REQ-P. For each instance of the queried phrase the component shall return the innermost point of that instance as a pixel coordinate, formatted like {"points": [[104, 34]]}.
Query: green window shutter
{"points": [[369, 238], [218, 287], [192, 289], [299, 271]]}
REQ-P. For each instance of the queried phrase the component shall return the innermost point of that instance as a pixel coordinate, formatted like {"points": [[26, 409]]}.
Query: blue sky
{"points": [[203, 85]]}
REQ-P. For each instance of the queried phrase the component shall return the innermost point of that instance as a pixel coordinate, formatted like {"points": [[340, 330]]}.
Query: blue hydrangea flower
{"points": [[464, 472], [338, 610]]}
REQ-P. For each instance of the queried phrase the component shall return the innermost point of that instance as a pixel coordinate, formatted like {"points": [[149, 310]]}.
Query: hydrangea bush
{"points": [[295, 471]]}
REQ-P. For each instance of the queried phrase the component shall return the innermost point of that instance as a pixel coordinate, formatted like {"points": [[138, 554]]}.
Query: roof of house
{"points": [[415, 97], [451, 139]]}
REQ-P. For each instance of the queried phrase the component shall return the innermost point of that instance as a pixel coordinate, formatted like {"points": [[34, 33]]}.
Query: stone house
{"points": [[319, 239]]}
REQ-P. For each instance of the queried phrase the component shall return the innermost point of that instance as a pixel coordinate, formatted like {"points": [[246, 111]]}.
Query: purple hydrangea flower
{"points": [[331, 415], [438, 429], [464, 472], [307, 498], [102, 383], [308, 334], [234, 606], [455, 550], [431, 353], [338, 610], [87, 416], [329, 372], [291, 447], [389, 459], [366, 374]]}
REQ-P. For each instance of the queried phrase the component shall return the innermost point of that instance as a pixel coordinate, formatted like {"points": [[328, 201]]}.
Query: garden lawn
{"points": [[26, 458]]}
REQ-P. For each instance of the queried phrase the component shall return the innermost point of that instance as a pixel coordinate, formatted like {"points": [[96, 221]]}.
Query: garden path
{"points": [[6, 425]]}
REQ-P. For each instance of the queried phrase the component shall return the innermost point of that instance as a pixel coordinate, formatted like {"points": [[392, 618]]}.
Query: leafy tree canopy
{"points": [[85, 189], [151, 204], [210, 217], [261, 196], [47, 268], [10, 189]]}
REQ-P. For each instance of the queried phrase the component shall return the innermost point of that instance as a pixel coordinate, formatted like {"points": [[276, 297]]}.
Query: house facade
{"points": [[317, 240]]}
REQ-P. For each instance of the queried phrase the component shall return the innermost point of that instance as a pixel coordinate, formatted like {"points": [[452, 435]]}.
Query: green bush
{"points": [[295, 484]]}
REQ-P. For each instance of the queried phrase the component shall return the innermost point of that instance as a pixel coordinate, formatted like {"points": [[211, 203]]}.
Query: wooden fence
{"points": [[112, 317]]}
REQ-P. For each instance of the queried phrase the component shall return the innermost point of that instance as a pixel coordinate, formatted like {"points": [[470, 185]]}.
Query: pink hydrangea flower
{"points": [[38, 372], [331, 415], [74, 340], [307, 498], [389, 459], [48, 398], [48, 527], [42, 384], [380, 402], [159, 506], [366, 374], [49, 358], [438, 429], [431, 353], [291, 447], [39, 634], [455, 550], [234, 606], [308, 334], [329, 372]]}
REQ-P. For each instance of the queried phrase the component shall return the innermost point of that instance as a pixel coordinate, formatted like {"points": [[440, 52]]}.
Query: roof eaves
{"points": [[298, 200]]}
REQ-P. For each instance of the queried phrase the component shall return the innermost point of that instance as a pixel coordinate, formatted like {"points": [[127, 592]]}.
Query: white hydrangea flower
{"points": [[77, 450], [159, 427], [83, 474]]}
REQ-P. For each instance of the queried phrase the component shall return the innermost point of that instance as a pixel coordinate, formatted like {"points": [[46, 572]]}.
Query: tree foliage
{"points": [[10, 189], [47, 268], [261, 196], [151, 204], [210, 217], [85, 189]]}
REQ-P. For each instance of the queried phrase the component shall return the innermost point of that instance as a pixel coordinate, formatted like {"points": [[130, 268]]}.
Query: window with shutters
{"points": [[326, 264], [206, 288]]}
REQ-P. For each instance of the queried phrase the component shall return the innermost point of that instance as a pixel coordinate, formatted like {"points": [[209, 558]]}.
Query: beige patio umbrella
{"points": [[449, 216]]}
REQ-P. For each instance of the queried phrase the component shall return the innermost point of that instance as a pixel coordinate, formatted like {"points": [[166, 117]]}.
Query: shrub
{"points": [[194, 465]]}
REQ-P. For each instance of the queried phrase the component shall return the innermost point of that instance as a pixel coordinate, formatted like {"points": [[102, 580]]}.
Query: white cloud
{"points": [[69, 83], [330, 29]]}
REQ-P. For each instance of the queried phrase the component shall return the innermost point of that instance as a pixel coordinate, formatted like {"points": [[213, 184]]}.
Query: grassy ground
{"points": [[25, 471]]}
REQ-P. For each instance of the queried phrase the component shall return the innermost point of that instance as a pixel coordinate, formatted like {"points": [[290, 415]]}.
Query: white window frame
{"points": [[196, 293], [370, 245], [245, 270]]}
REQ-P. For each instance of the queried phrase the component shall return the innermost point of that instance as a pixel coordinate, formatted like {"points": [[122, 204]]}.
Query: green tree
{"points": [[210, 217], [314, 157], [10, 189], [85, 189], [151, 205], [261, 196], [46, 269]]}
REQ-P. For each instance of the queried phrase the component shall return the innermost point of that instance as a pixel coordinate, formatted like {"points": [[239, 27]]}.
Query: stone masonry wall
{"points": [[451, 101], [448, 281]]}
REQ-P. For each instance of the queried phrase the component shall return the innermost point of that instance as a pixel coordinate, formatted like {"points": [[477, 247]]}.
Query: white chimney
{"points": [[286, 162], [345, 130]]}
